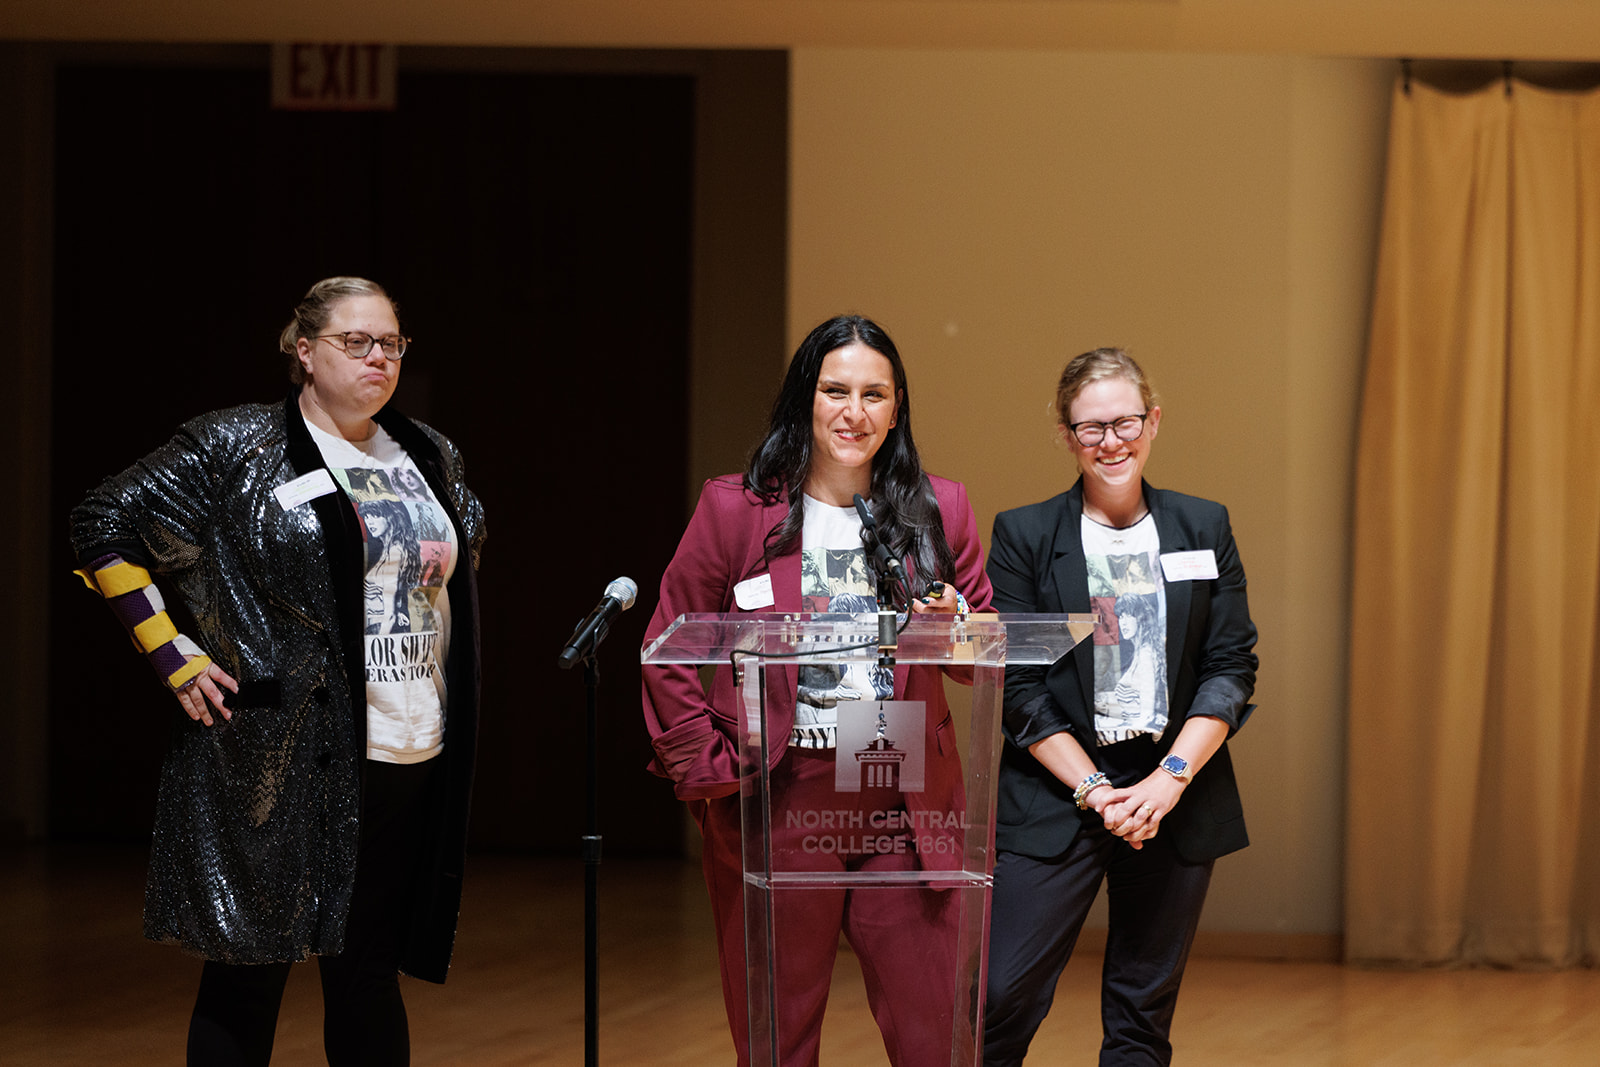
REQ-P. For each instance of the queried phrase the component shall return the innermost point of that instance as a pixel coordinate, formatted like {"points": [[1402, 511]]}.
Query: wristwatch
{"points": [[1176, 766]]}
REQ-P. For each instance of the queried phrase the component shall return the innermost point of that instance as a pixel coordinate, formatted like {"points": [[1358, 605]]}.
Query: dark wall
{"points": [[536, 229]]}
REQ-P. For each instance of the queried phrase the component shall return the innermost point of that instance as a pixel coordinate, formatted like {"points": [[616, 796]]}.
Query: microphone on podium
{"points": [[887, 564]]}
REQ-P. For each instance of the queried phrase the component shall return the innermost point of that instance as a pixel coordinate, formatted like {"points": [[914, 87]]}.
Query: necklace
{"points": [[1119, 534]]}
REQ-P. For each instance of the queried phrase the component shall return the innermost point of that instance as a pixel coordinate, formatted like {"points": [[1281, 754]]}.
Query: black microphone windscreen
{"points": [[865, 512]]}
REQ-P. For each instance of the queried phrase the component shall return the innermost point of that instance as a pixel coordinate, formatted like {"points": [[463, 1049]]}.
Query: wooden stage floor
{"points": [[82, 987]]}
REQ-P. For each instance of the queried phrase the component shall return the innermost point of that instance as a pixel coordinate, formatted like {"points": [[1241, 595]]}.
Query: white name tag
{"points": [[1189, 566], [753, 593], [306, 487]]}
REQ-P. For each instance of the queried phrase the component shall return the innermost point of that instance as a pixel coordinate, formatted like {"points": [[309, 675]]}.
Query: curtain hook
{"points": [[1405, 76]]}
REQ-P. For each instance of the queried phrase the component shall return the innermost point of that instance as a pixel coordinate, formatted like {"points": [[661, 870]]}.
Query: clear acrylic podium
{"points": [[944, 846]]}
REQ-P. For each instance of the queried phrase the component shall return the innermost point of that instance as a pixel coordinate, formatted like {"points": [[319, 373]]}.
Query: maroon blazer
{"points": [[695, 737]]}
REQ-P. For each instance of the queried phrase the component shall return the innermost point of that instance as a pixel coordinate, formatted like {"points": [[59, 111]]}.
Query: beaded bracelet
{"points": [[1080, 795]]}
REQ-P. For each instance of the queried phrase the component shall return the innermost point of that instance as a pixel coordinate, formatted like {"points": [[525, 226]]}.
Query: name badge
{"points": [[1189, 566], [306, 487], [754, 593]]}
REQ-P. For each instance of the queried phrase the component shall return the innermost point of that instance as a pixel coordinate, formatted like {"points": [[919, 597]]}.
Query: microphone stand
{"points": [[591, 861], [591, 875], [888, 636], [584, 644]]}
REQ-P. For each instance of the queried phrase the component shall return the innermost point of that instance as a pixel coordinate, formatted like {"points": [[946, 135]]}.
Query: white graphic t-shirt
{"points": [[834, 577], [1129, 599], [411, 552]]}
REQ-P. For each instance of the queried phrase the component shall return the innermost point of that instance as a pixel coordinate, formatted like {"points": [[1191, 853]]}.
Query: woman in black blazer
{"points": [[1115, 766]]}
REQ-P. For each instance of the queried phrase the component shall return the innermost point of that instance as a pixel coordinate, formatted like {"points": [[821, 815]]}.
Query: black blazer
{"points": [[1036, 565]]}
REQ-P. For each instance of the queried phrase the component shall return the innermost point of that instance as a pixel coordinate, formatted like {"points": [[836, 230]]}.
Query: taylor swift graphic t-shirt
{"points": [[834, 577], [1130, 631], [411, 552]]}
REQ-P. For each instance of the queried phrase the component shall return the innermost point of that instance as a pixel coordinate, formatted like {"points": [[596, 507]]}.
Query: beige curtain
{"points": [[1474, 761]]}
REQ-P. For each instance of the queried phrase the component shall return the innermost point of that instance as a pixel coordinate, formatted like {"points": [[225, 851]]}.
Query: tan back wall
{"points": [[1000, 212]]}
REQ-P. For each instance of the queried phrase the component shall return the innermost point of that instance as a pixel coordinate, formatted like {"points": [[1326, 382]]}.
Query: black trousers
{"points": [[1038, 909], [364, 1017]]}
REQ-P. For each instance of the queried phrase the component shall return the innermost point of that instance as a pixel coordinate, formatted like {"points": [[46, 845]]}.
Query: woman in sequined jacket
{"points": [[286, 827]]}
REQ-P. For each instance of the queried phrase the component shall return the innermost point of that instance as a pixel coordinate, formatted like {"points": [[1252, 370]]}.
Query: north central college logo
{"points": [[880, 764], [881, 757], [881, 746]]}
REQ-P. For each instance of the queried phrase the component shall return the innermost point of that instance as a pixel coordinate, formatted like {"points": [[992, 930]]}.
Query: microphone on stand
{"points": [[582, 645], [888, 565], [619, 597], [889, 570]]}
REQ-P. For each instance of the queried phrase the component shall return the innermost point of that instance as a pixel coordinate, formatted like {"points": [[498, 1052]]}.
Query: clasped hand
{"points": [[1135, 813]]}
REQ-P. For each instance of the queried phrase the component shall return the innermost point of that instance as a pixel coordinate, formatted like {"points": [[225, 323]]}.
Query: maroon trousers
{"points": [[905, 938]]}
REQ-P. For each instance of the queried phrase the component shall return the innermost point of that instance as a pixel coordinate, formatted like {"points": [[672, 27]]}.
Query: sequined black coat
{"points": [[254, 850]]}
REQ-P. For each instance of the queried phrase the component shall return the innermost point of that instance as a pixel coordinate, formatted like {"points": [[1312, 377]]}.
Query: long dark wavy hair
{"points": [[903, 502]]}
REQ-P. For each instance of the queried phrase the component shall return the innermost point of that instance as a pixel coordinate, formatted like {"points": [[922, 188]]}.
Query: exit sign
{"points": [[310, 76]]}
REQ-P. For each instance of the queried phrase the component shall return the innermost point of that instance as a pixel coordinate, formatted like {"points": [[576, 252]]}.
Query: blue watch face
{"points": [[1175, 765]]}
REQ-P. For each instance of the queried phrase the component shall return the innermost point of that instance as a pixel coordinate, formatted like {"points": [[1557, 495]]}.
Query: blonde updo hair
{"points": [[1098, 366], [311, 315]]}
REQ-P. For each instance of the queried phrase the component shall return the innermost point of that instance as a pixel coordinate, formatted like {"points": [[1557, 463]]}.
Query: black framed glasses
{"points": [[1126, 428], [356, 344]]}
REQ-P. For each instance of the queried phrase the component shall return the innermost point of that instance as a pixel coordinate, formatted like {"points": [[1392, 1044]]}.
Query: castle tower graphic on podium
{"points": [[880, 761]]}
